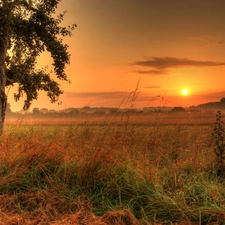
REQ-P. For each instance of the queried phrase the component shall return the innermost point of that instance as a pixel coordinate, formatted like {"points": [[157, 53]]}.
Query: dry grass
{"points": [[126, 173], [152, 118]]}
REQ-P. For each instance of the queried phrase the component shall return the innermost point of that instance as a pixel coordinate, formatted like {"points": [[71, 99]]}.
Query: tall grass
{"points": [[124, 174]]}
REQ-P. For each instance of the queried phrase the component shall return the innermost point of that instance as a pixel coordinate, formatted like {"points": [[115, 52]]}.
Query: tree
{"points": [[36, 111], [8, 108], [44, 110], [28, 28], [178, 109]]}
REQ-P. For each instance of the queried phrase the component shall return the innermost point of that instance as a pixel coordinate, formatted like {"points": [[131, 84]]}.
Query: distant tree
{"points": [[178, 109], [222, 101], [52, 111], [44, 110], [86, 107], [114, 111], [28, 28], [36, 111]]}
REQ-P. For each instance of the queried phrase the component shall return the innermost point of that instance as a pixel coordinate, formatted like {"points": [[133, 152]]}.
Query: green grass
{"points": [[160, 173]]}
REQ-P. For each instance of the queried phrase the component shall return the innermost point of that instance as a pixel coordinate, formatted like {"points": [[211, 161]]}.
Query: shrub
{"points": [[218, 138]]}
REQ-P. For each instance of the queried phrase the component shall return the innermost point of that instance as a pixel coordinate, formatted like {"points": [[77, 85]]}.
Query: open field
{"points": [[153, 118], [110, 170]]}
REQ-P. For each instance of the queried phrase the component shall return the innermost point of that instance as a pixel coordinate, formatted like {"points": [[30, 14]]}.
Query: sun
{"points": [[185, 92]]}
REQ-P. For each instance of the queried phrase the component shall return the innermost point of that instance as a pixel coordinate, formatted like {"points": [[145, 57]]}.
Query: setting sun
{"points": [[185, 92]]}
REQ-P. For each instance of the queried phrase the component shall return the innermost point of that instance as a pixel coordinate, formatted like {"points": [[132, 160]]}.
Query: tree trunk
{"points": [[4, 43]]}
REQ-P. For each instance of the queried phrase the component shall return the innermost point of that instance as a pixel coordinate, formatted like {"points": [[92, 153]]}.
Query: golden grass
{"points": [[165, 118], [129, 170]]}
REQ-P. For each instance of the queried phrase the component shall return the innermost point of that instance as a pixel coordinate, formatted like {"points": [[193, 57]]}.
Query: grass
{"points": [[131, 173]]}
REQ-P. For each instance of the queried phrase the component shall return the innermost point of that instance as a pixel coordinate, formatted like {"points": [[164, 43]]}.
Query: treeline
{"points": [[87, 110]]}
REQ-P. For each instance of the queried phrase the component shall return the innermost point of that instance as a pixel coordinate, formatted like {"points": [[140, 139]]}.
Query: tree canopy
{"points": [[27, 29]]}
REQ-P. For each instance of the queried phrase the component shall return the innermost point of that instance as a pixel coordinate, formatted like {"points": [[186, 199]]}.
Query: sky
{"points": [[155, 48]]}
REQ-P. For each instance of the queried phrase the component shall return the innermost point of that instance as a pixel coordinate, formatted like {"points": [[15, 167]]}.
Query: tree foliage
{"points": [[31, 28]]}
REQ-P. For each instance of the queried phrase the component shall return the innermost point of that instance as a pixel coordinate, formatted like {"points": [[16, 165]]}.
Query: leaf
{"points": [[32, 29]]}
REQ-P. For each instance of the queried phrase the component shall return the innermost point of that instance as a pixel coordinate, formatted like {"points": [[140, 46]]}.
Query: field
{"points": [[111, 170]]}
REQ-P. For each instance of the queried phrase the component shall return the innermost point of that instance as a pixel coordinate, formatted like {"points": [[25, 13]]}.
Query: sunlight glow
{"points": [[185, 92]]}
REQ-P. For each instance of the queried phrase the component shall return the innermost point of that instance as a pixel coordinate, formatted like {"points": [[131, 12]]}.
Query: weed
{"points": [[218, 138], [125, 176]]}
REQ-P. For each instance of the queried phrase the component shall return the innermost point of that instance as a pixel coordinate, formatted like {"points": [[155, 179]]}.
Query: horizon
{"points": [[121, 107], [172, 49]]}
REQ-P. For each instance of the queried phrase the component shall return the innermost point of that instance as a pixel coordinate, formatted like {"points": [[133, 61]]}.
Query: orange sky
{"points": [[168, 45]]}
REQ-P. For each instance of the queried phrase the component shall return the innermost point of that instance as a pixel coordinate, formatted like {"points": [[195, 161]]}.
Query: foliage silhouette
{"points": [[27, 29]]}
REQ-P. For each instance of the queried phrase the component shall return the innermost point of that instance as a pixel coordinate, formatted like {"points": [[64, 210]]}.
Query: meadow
{"points": [[111, 170]]}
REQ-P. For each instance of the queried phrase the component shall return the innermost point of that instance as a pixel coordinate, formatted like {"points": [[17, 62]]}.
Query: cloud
{"points": [[152, 87], [163, 63], [205, 40], [108, 96], [113, 94], [121, 99], [211, 96], [153, 72]]}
